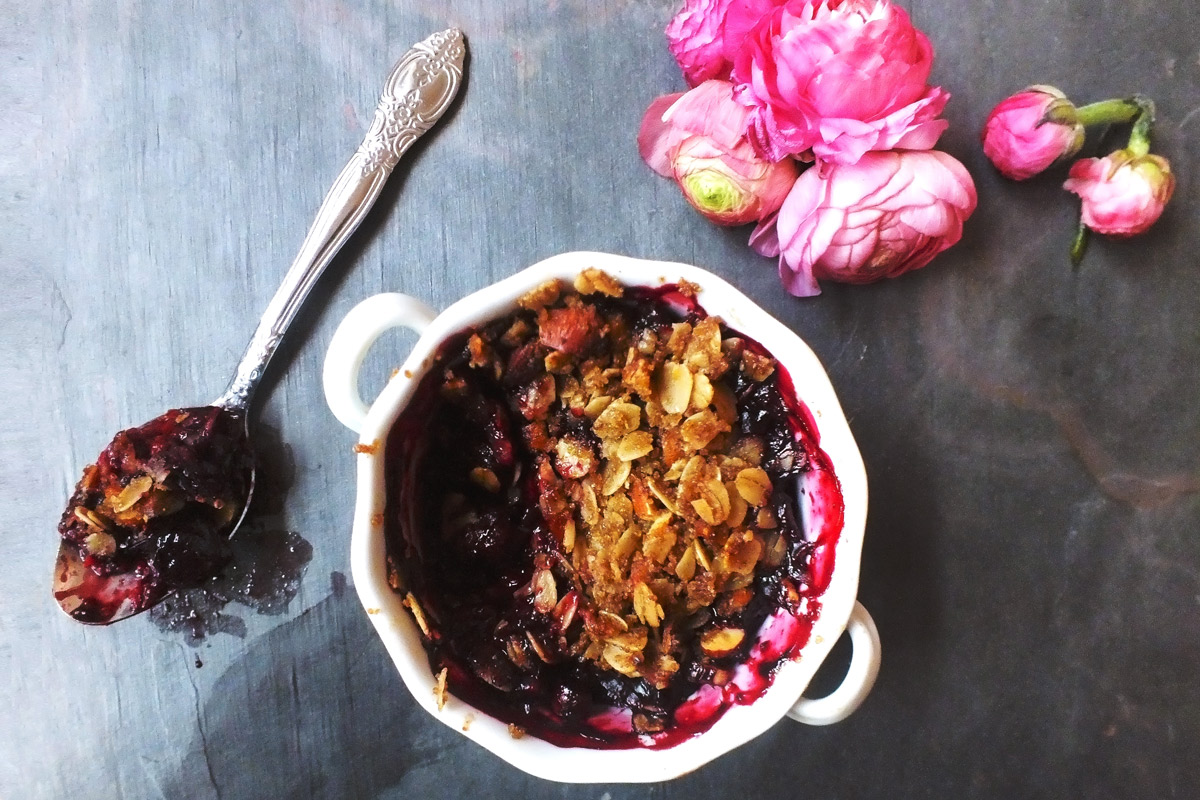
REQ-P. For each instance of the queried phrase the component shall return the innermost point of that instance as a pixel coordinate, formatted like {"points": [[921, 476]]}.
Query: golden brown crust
{"points": [[669, 513]]}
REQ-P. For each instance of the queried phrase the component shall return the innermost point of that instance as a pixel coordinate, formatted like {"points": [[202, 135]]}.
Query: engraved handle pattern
{"points": [[416, 94]]}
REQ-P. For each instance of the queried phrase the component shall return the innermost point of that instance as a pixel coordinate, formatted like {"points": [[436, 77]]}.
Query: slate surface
{"points": [[1030, 432]]}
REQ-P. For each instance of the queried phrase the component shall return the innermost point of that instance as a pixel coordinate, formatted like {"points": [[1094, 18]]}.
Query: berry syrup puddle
{"points": [[474, 589], [266, 561]]}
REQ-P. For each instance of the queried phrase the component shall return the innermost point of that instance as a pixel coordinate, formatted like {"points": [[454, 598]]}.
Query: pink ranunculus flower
{"points": [[705, 35], [836, 79], [698, 138], [1029, 131], [1123, 193], [856, 223]]}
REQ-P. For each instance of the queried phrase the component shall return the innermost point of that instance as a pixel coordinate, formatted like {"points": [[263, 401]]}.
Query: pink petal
{"points": [[799, 281], [764, 239], [656, 138]]}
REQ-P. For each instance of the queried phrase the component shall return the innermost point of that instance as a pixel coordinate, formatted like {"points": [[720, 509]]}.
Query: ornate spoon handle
{"points": [[416, 94]]}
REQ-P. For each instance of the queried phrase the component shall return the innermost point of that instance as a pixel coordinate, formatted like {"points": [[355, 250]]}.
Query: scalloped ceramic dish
{"points": [[839, 609]]}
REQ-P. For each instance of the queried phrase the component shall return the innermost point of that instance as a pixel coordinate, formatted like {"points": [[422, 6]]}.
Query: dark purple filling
{"points": [[469, 580], [139, 546]]}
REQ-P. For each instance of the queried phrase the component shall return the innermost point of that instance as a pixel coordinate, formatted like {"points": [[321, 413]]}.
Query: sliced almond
{"points": [[132, 492], [674, 387], [545, 592], [538, 648], [659, 539], [718, 641], [692, 471], [90, 518], [686, 567], [564, 612], [737, 507], [754, 485], [702, 391], [596, 405], [616, 472], [611, 624], [627, 544], [663, 495], [635, 445]]}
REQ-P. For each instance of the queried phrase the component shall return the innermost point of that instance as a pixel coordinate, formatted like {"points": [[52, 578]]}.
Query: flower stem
{"points": [[1107, 112], [1079, 244], [1139, 137]]}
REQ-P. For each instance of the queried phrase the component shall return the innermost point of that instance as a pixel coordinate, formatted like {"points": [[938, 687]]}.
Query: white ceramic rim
{"points": [[740, 723]]}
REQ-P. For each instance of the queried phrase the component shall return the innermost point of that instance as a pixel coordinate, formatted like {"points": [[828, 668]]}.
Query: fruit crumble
{"points": [[592, 513], [154, 511]]}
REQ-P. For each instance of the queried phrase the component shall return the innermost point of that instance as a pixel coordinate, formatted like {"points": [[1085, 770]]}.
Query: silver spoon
{"points": [[98, 580]]}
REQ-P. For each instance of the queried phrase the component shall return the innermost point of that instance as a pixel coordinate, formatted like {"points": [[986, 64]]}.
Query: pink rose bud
{"points": [[1123, 193], [1029, 131], [706, 34], [856, 223], [698, 139], [837, 78]]}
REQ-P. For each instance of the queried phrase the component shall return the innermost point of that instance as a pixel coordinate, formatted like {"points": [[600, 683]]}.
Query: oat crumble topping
{"points": [[652, 501]]}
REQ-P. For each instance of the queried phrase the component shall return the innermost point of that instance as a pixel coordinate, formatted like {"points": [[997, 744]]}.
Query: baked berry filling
{"points": [[153, 514], [592, 515]]}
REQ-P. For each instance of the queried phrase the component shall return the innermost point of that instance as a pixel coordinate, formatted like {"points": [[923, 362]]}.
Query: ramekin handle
{"points": [[860, 677], [353, 338]]}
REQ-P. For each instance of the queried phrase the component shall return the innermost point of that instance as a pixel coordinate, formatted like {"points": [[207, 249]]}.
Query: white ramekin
{"points": [[395, 626]]}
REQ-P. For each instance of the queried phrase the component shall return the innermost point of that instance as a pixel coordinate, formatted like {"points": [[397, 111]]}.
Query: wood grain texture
{"points": [[1030, 432]]}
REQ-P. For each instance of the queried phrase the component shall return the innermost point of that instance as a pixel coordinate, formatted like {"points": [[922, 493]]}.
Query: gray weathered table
{"points": [[1030, 432]]}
